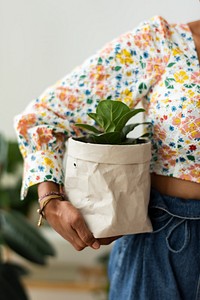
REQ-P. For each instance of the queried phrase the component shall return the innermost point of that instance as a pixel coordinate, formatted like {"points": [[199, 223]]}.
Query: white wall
{"points": [[42, 40]]}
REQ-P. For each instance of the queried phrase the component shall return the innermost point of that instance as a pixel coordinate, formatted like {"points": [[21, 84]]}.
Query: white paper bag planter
{"points": [[110, 185]]}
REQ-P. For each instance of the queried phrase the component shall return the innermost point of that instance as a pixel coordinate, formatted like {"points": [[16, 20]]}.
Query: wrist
{"points": [[48, 192], [55, 208], [46, 187], [52, 207]]}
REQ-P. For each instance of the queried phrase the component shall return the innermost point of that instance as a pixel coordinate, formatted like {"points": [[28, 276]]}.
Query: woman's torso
{"points": [[173, 107], [175, 187], [170, 185]]}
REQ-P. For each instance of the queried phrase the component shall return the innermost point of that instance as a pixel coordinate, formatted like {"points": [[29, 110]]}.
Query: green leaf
{"points": [[98, 119], [10, 285], [189, 86], [14, 156], [171, 79], [198, 89], [145, 135], [112, 117], [142, 87], [111, 111], [171, 64], [89, 101], [3, 153], [168, 83], [7, 291], [42, 243], [100, 61], [143, 65], [126, 117], [191, 157], [5, 198], [82, 76], [130, 127], [88, 127], [22, 237], [117, 68], [112, 138]]}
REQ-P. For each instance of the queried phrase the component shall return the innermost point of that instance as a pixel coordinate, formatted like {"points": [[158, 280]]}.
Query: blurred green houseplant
{"points": [[11, 163], [16, 231]]}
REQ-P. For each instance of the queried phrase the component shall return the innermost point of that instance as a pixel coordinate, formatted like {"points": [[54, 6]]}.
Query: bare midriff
{"points": [[175, 187]]}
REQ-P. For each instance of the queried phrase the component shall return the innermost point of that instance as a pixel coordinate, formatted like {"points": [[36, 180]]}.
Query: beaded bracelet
{"points": [[51, 193]]}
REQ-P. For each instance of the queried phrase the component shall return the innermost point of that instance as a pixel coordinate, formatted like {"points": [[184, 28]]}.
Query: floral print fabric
{"points": [[157, 64]]}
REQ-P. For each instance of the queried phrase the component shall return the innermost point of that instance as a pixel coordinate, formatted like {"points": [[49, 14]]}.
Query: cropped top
{"points": [[155, 63]]}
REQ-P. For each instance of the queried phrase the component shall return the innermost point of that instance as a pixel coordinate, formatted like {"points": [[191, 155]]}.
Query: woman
{"points": [[158, 64]]}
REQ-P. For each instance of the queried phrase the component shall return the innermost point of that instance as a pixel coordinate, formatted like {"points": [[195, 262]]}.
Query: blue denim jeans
{"points": [[164, 264]]}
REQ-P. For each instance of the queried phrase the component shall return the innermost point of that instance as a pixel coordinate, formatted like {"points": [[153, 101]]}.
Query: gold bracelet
{"points": [[43, 203]]}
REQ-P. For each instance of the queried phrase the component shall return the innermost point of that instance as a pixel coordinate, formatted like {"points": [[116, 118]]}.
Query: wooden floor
{"points": [[71, 282]]}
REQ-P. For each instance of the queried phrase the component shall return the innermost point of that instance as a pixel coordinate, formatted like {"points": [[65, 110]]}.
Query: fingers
{"points": [[71, 236], [109, 240], [69, 223], [84, 233]]}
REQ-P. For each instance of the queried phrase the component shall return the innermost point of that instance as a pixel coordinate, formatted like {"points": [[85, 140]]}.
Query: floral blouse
{"points": [[157, 64]]}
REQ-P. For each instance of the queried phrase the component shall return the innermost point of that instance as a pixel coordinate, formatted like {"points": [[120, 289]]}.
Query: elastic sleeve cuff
{"points": [[42, 166]]}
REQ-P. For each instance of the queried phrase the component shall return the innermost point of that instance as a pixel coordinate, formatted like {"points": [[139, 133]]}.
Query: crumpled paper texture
{"points": [[110, 185]]}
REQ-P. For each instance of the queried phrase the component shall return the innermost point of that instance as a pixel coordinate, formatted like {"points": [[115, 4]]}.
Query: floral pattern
{"points": [[155, 64]]}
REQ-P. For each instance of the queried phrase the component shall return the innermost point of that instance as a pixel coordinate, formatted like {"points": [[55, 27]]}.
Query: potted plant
{"points": [[11, 162], [17, 233], [107, 173]]}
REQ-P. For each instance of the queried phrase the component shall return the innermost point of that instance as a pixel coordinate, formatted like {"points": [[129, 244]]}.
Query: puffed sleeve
{"points": [[124, 70]]}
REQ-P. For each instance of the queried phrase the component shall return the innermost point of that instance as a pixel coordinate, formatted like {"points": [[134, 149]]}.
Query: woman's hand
{"points": [[69, 223], [65, 219]]}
